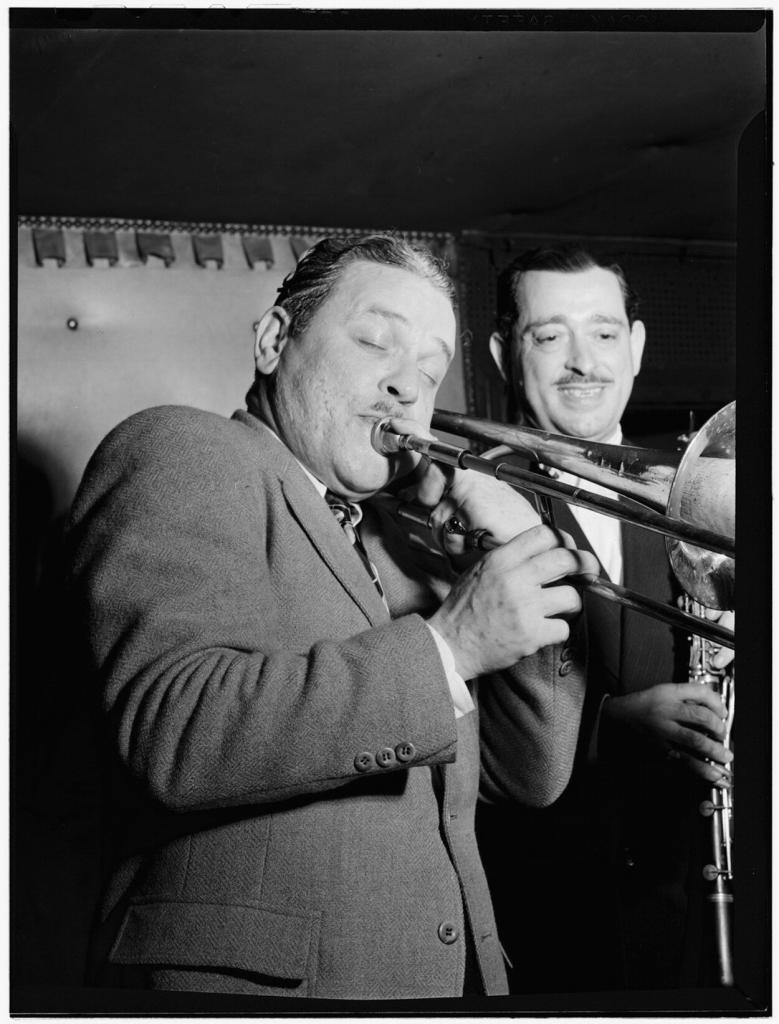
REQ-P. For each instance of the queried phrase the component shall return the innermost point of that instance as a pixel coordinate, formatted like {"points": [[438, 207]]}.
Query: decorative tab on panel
{"points": [[49, 244], [299, 246], [100, 245], [208, 250], [76, 242], [258, 250], [158, 246]]}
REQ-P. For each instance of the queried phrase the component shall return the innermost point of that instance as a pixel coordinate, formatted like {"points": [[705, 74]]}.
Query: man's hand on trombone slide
{"points": [[510, 601]]}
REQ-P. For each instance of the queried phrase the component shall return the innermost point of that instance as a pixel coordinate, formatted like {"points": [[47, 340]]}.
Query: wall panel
{"points": [[99, 342]]}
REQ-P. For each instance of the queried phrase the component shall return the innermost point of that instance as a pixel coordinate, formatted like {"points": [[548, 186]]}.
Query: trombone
{"points": [[688, 497]]}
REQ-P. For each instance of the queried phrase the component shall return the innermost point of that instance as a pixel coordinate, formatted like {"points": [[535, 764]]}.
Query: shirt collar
{"points": [[615, 437]]}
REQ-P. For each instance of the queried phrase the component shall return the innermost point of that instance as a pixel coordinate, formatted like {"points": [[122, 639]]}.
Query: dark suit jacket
{"points": [[600, 887], [649, 804], [293, 798]]}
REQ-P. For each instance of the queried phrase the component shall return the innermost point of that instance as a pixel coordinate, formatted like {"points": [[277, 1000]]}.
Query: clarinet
{"points": [[719, 807]]}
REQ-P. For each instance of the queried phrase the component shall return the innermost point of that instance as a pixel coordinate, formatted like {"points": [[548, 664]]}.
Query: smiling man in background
{"points": [[601, 892]]}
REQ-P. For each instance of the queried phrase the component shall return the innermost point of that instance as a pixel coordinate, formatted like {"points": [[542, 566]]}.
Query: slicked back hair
{"points": [[306, 287], [565, 259]]}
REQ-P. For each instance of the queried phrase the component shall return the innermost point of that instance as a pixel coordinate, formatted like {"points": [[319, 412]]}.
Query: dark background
{"points": [[600, 123], [506, 129], [643, 132]]}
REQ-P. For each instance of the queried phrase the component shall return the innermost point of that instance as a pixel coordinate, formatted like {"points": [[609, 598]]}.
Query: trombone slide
{"points": [[483, 540], [387, 442]]}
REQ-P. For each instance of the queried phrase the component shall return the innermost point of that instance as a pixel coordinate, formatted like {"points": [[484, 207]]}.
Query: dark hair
{"points": [[306, 287], [568, 259]]}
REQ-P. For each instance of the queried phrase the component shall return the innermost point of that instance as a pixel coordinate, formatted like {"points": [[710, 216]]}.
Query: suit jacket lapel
{"points": [[652, 652], [317, 521], [603, 618], [564, 519], [329, 539]]}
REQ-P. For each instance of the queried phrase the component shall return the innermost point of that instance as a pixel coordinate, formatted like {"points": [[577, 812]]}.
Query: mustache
{"points": [[387, 408], [583, 379]]}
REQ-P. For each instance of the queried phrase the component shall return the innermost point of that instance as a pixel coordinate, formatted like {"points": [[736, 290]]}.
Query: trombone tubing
{"points": [[386, 442], [592, 584]]}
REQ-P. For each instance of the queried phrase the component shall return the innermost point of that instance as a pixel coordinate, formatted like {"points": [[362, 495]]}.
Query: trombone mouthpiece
{"points": [[383, 440]]}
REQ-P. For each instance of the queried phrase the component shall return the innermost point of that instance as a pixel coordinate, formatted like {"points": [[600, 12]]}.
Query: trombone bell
{"points": [[697, 488], [703, 491]]}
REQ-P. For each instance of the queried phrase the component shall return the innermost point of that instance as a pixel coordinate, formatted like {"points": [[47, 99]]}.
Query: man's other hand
{"points": [[686, 719]]}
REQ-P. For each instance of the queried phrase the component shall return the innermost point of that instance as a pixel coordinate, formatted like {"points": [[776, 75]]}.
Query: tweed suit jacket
{"points": [[292, 795]]}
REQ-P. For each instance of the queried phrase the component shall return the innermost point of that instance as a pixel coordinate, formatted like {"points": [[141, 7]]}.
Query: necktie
{"points": [[344, 514]]}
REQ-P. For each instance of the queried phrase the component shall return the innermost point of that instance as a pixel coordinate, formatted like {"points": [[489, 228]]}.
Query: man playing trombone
{"points": [[611, 864], [291, 740]]}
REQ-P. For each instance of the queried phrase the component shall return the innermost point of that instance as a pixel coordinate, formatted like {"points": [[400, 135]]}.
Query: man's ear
{"points": [[498, 350], [271, 337], [637, 339]]}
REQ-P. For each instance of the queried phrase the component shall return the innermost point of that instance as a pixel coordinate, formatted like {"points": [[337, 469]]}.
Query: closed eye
{"points": [[370, 343], [546, 337], [433, 368]]}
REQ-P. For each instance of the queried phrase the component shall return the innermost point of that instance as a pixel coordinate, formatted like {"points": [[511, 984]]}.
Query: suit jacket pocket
{"points": [[276, 943]]}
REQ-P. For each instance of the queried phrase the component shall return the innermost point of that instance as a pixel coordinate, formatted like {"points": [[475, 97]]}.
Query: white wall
{"points": [[146, 335]]}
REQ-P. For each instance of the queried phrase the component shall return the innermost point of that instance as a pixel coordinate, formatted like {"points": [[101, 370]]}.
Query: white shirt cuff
{"points": [[461, 698]]}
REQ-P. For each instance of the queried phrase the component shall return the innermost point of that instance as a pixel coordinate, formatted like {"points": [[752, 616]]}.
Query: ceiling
{"points": [[470, 121]]}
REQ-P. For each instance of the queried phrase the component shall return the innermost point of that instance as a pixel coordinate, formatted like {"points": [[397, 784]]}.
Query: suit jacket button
{"points": [[565, 667], [405, 752], [566, 654], [385, 758], [365, 761], [447, 933]]}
